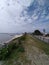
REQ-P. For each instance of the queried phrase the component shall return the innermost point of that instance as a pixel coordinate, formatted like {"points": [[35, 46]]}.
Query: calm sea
{"points": [[6, 36]]}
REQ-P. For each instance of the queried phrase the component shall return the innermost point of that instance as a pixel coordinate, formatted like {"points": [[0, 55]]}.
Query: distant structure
{"points": [[47, 35], [44, 32], [37, 32]]}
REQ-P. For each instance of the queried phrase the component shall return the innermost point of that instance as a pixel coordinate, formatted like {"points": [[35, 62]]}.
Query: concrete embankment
{"points": [[45, 39], [16, 36]]}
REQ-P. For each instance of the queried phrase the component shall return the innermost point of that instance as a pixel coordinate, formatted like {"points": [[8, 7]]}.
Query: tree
{"points": [[37, 32]]}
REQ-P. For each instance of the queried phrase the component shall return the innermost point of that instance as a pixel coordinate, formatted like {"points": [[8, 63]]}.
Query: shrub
{"points": [[7, 50]]}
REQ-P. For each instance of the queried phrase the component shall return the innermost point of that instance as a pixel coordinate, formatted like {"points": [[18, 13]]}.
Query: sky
{"points": [[18, 16]]}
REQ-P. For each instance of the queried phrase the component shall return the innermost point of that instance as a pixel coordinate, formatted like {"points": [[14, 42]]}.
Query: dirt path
{"points": [[34, 55]]}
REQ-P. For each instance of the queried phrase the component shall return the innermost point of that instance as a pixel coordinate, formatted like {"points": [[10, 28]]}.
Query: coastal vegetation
{"points": [[37, 32], [25, 50], [8, 48]]}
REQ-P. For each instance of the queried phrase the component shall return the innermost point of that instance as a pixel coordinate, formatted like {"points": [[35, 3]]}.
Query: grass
{"points": [[42, 45], [18, 49], [6, 51], [16, 53]]}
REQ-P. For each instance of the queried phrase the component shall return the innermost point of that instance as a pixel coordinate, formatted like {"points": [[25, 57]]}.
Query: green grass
{"points": [[14, 45], [42, 45], [17, 49], [16, 53]]}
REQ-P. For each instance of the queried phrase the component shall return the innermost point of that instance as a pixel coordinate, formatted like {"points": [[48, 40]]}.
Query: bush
{"points": [[7, 50], [21, 49], [23, 37]]}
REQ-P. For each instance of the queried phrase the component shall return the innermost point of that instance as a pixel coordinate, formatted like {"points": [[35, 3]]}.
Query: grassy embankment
{"points": [[41, 45], [15, 52], [15, 46]]}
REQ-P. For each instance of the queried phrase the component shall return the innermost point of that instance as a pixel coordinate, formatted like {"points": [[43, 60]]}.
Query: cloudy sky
{"points": [[24, 15]]}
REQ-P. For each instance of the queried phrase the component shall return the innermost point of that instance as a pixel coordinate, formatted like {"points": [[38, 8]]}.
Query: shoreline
{"points": [[16, 36]]}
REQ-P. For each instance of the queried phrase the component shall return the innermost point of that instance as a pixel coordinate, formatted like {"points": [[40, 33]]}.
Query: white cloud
{"points": [[14, 16], [10, 15]]}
